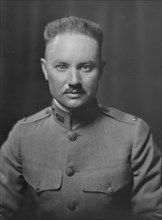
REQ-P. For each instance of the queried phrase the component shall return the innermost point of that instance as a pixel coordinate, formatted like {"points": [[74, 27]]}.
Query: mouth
{"points": [[74, 94]]}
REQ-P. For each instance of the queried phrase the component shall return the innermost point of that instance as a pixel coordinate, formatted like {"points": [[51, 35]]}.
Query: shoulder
{"points": [[18, 131], [18, 127], [139, 127], [118, 115], [41, 115]]}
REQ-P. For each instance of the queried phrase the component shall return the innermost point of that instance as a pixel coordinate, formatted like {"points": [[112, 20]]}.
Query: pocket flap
{"points": [[106, 180], [43, 178]]}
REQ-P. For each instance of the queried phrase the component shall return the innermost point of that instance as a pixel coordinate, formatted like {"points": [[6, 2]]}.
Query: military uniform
{"points": [[93, 163]]}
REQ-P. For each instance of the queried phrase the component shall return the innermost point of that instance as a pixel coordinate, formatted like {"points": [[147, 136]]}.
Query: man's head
{"points": [[73, 64]]}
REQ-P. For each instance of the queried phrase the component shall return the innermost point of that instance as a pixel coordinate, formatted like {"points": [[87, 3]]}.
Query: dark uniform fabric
{"points": [[93, 163]]}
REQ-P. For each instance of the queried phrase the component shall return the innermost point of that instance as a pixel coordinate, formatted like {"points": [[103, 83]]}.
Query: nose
{"points": [[74, 77]]}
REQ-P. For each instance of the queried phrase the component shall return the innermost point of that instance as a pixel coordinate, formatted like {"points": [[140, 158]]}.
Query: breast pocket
{"points": [[106, 181], [42, 178]]}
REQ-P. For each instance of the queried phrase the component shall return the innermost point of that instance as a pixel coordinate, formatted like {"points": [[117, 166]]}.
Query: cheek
{"points": [[91, 83], [54, 81], [54, 86]]}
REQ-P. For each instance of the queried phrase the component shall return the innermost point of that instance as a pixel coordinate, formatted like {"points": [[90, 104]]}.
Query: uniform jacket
{"points": [[93, 163]]}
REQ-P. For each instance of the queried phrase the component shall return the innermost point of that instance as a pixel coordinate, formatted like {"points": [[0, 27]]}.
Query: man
{"points": [[80, 160]]}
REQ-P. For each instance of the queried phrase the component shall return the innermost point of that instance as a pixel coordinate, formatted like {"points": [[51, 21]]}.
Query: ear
{"points": [[44, 68], [102, 66]]}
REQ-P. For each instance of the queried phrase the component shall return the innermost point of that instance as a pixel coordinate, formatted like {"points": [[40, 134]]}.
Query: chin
{"points": [[73, 107], [73, 104]]}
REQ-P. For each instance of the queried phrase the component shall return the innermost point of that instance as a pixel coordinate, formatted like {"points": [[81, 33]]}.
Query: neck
{"points": [[76, 118], [59, 105]]}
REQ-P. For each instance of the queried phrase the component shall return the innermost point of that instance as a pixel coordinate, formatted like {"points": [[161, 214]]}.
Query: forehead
{"points": [[72, 45]]}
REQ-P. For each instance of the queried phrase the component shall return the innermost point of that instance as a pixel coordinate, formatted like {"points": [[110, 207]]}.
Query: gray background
{"points": [[132, 49]]}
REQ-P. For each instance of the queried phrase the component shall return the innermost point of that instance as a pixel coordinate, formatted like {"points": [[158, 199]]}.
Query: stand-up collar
{"points": [[75, 118]]}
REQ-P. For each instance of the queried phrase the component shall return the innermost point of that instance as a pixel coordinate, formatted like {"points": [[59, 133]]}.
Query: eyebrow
{"points": [[90, 62], [64, 62], [58, 62]]}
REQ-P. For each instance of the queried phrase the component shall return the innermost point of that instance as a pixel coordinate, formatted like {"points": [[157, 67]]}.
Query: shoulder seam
{"points": [[37, 116], [118, 115]]}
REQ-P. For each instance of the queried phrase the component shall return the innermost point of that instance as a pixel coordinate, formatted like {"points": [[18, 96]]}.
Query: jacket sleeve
{"points": [[12, 184], [146, 166]]}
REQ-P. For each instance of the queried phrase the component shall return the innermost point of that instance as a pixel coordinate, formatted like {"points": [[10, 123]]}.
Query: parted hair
{"points": [[73, 25]]}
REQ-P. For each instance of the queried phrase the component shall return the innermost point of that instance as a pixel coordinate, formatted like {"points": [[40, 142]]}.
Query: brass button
{"points": [[48, 111], [70, 171], [71, 205], [38, 188], [72, 137], [110, 190], [134, 118]]}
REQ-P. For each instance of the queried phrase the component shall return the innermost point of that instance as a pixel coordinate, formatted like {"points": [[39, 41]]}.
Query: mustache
{"points": [[74, 90]]}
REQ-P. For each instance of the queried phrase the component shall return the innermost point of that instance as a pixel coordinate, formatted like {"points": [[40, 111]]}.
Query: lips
{"points": [[73, 92]]}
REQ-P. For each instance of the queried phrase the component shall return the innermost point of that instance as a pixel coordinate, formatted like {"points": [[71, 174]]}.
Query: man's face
{"points": [[73, 68]]}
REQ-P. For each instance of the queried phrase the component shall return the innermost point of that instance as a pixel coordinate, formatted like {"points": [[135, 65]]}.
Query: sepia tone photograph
{"points": [[80, 110]]}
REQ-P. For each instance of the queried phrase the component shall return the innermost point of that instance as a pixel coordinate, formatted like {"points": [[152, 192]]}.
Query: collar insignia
{"points": [[59, 117]]}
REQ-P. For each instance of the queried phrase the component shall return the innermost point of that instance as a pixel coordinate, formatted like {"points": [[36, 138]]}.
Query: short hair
{"points": [[73, 25]]}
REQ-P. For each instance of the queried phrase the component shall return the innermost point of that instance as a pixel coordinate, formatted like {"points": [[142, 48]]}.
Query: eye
{"points": [[61, 67], [86, 67]]}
